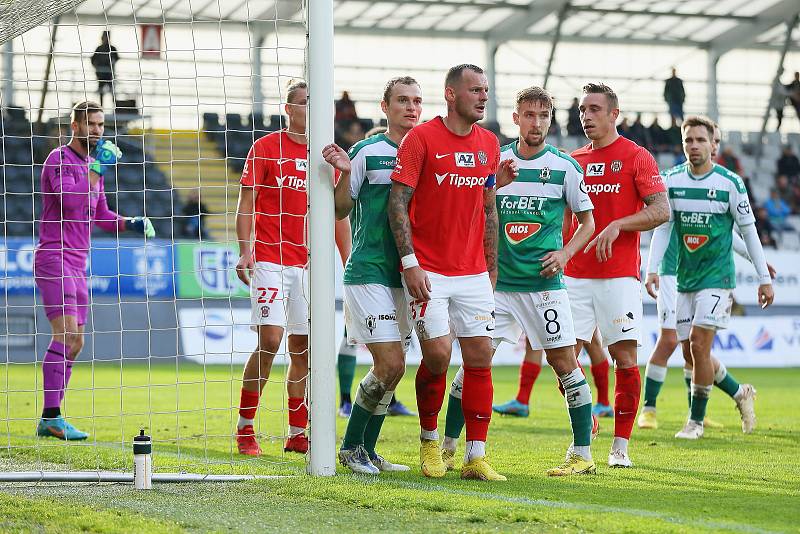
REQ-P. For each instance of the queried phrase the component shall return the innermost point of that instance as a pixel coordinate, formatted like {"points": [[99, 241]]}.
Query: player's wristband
{"points": [[409, 260]]}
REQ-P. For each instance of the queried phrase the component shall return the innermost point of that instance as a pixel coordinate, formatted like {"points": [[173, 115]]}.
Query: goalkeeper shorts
{"points": [[63, 288]]}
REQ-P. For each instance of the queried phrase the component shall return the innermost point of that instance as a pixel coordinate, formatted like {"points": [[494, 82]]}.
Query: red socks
{"points": [[600, 375], [298, 412], [248, 404], [430, 396], [476, 401], [626, 400], [528, 373]]}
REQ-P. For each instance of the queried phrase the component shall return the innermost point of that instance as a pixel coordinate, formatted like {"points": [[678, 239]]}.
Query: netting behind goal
{"points": [[187, 89]]}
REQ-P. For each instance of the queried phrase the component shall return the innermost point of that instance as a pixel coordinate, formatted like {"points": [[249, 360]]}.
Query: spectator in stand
{"points": [[793, 90], [346, 109], [658, 137], [674, 95], [624, 128], [555, 129], [777, 100], [730, 161], [777, 211], [638, 133], [194, 215], [789, 165], [788, 192], [764, 228], [574, 127], [352, 134], [674, 136], [103, 60]]}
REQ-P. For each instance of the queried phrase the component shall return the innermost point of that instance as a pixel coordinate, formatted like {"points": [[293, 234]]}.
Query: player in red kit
{"points": [[444, 219], [273, 204], [623, 181]]}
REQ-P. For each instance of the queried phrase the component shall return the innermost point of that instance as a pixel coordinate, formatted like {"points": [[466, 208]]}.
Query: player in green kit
{"points": [[706, 200], [375, 307], [666, 296], [530, 295]]}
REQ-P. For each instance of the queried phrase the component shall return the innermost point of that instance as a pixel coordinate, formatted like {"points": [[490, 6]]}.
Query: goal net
{"points": [[186, 89]]}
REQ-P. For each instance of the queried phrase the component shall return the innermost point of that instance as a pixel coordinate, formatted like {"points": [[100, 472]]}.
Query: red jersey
{"points": [[276, 168], [617, 178], [448, 173]]}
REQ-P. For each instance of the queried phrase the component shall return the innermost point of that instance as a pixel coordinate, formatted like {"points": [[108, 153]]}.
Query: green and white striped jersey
{"points": [[531, 212], [374, 259], [669, 264], [703, 209]]}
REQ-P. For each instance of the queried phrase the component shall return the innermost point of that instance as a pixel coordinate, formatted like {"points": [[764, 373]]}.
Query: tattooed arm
{"points": [[654, 214], [416, 279], [490, 233]]}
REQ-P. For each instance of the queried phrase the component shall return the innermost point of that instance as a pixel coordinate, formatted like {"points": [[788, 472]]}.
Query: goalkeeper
{"points": [[74, 200]]}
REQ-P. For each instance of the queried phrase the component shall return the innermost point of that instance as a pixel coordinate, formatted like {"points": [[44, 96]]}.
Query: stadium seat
{"points": [[233, 121], [734, 137]]}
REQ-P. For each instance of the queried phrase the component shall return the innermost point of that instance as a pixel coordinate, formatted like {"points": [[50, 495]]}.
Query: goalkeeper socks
{"points": [[600, 375], [373, 429], [474, 449], [67, 376], [528, 373], [454, 422], [476, 401], [53, 372], [627, 389], [700, 396], [430, 396], [248, 404], [346, 366], [654, 379], [579, 405], [298, 415], [687, 378], [725, 381]]}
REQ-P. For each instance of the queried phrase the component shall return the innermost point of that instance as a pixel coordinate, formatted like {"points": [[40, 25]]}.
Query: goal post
{"points": [[169, 324]]}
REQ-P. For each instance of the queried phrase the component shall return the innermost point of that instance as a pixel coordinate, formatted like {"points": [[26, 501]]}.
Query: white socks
{"points": [[474, 449], [620, 444]]}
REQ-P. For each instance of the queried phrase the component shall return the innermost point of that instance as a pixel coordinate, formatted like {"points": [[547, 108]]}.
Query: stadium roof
{"points": [[720, 25]]}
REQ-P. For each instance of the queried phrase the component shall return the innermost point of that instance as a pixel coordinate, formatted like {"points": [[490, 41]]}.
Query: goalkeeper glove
{"points": [[141, 225], [106, 155]]}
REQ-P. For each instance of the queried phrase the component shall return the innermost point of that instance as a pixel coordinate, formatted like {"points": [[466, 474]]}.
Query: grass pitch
{"points": [[725, 482]]}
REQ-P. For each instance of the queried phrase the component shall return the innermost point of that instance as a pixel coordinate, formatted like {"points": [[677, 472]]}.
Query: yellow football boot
{"points": [[575, 465], [648, 420], [479, 469], [430, 457], [449, 459]]}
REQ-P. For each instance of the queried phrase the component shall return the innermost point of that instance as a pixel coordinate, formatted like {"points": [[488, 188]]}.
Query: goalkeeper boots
{"points": [[512, 407], [449, 459], [745, 403], [385, 465], [246, 441], [574, 465], [59, 427], [297, 443], [357, 460], [647, 419], [431, 459], [479, 469]]}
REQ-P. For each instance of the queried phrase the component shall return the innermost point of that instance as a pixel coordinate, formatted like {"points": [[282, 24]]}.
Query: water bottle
{"points": [[142, 461]]}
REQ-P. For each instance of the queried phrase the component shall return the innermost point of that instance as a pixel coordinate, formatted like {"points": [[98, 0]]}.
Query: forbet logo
{"points": [[517, 232]]}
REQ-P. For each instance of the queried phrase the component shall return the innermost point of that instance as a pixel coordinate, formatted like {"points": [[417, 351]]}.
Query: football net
{"points": [[186, 90]]}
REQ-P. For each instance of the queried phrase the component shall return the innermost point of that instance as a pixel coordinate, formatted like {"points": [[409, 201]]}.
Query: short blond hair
{"points": [[536, 94], [292, 87]]}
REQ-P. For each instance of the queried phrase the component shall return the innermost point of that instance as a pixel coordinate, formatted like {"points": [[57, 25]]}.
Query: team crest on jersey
{"points": [[370, 323], [616, 165], [517, 232], [712, 194], [544, 175], [465, 159], [482, 157], [264, 312], [595, 169], [693, 242], [300, 164]]}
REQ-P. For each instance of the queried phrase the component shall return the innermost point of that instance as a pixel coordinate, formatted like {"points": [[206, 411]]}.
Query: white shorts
{"points": [[278, 297], [375, 313], [465, 301], [613, 305], [709, 308], [544, 316], [667, 301]]}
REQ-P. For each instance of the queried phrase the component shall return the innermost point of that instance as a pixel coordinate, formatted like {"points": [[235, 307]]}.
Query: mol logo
{"points": [[694, 241], [517, 232]]}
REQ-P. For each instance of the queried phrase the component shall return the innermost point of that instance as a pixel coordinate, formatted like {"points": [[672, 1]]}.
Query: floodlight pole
{"points": [[8, 73], [258, 39], [491, 76], [321, 217]]}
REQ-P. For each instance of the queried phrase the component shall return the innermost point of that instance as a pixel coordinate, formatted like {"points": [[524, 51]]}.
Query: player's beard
{"points": [[534, 140]]}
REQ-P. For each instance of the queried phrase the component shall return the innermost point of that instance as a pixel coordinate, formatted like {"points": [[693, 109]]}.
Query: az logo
{"points": [[465, 159], [595, 169], [517, 232], [694, 241]]}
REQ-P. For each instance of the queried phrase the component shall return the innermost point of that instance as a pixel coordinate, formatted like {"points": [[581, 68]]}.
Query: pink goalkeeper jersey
{"points": [[71, 207]]}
